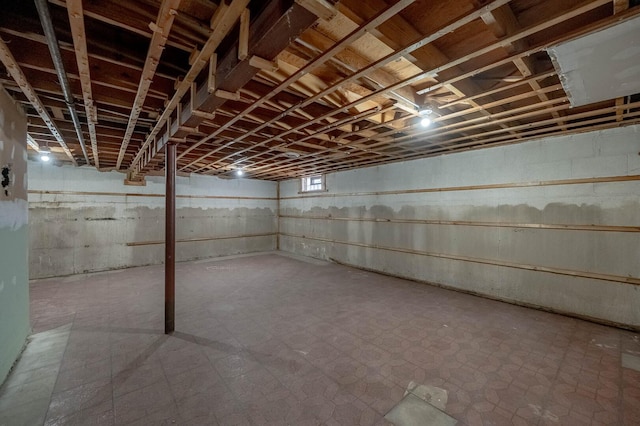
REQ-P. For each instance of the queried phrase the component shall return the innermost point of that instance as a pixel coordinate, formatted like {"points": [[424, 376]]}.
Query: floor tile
{"points": [[273, 340]]}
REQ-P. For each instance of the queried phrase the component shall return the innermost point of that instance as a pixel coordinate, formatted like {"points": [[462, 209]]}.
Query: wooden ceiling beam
{"points": [[453, 130], [590, 124], [571, 119], [99, 61], [108, 83], [481, 78], [76, 21], [428, 56], [503, 88], [314, 135], [521, 133], [227, 18], [161, 30], [597, 123], [353, 61], [603, 23], [503, 22], [122, 17], [411, 137], [192, 29], [582, 8], [48, 87], [316, 62], [372, 24]]}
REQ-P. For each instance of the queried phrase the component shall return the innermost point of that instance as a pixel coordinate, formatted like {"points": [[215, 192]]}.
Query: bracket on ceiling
{"points": [[211, 80], [177, 82], [209, 116], [263, 64], [232, 96], [196, 112], [193, 56], [243, 39], [133, 180]]}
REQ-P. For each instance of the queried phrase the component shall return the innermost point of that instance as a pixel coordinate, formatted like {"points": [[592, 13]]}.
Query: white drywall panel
{"points": [[14, 274]]}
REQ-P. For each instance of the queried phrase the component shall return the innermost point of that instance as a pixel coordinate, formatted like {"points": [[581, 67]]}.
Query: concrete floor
{"points": [[271, 339]]}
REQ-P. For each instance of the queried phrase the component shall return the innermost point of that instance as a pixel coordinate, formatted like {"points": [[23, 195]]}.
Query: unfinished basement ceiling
{"points": [[284, 88]]}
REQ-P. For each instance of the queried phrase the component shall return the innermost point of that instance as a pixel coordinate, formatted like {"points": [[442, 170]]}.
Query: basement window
{"points": [[313, 184]]}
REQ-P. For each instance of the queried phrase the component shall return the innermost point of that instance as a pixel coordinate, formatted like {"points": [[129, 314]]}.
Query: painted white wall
{"points": [[83, 219], [14, 278], [357, 194]]}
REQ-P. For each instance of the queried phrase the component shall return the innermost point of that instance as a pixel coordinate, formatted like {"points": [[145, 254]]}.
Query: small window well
{"points": [[313, 183]]}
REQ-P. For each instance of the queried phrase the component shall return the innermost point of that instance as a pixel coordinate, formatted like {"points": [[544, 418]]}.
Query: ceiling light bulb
{"points": [[45, 154], [239, 172], [425, 122]]}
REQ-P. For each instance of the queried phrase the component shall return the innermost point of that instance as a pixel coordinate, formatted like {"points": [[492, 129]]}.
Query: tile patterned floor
{"points": [[271, 340]]}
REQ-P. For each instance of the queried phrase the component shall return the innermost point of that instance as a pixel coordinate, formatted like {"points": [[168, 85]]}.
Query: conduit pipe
{"points": [[54, 49]]}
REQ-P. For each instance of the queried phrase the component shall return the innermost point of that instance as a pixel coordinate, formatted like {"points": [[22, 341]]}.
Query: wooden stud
{"points": [[222, 22], [193, 56], [177, 82], [323, 58], [163, 25], [211, 80], [243, 38]]}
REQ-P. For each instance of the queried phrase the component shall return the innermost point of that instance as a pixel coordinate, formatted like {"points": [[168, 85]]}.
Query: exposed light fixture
{"points": [[426, 110], [239, 172], [45, 154], [291, 154]]}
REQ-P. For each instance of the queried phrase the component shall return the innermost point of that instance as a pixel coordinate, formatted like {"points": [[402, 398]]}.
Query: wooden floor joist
{"points": [[161, 30], [76, 21], [289, 86]]}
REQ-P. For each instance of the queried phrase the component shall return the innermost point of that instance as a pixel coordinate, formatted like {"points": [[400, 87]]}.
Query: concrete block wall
{"points": [[553, 223], [84, 220], [14, 236]]}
